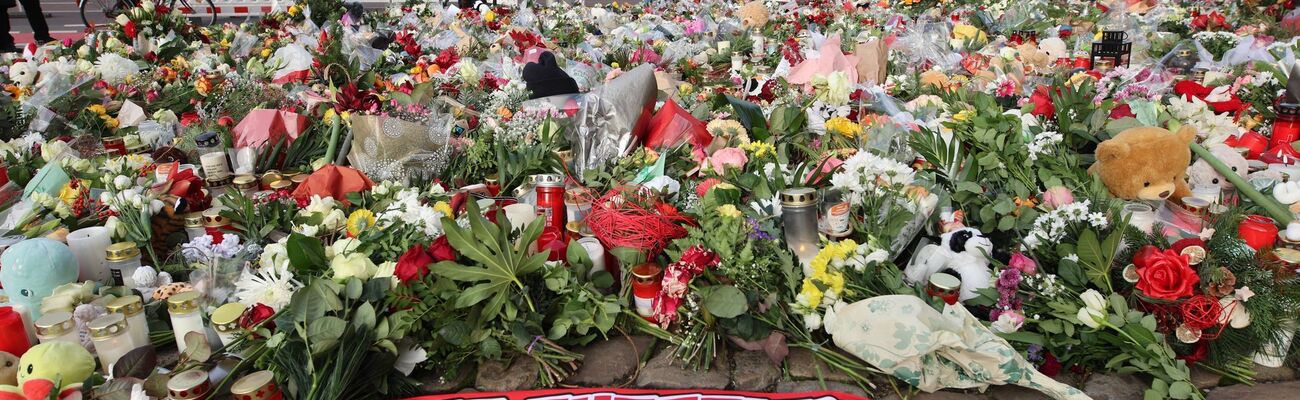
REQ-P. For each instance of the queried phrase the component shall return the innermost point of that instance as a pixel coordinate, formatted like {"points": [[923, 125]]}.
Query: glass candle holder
{"points": [[647, 280], [111, 339], [123, 259], [944, 286], [1141, 216], [28, 323], [1258, 231], [57, 327], [132, 309], [90, 245], [225, 320], [194, 225], [185, 316], [259, 385], [799, 221], [189, 385], [1286, 128]]}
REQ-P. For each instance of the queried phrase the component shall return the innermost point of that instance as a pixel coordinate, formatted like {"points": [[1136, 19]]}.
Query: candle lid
{"points": [[492, 179], [54, 324], [192, 384], [107, 326], [945, 282], [212, 218], [549, 180], [193, 219], [281, 184], [207, 139], [183, 303], [122, 250], [255, 386], [271, 176], [225, 317], [798, 197], [298, 178], [114, 139], [244, 181], [218, 181], [128, 305], [1287, 255], [1288, 109], [646, 271]]}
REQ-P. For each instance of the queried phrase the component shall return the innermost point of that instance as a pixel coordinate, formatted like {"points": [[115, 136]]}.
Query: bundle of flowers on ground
{"points": [[331, 202]]}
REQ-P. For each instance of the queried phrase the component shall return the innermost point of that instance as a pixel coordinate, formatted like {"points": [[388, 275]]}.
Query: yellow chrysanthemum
{"points": [[98, 109], [359, 221], [963, 116], [810, 292], [443, 208], [729, 211], [759, 149], [843, 126]]}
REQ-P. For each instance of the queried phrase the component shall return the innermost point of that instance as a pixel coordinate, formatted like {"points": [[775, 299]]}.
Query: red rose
{"points": [[1051, 366], [441, 250], [413, 264], [256, 315], [1165, 275], [1042, 102], [1121, 111]]}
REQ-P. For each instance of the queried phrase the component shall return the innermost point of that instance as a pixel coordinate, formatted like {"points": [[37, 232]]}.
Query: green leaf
{"points": [[353, 288], [725, 301], [1071, 273], [749, 115], [1181, 390], [364, 317], [313, 301], [306, 253], [323, 333], [602, 280], [456, 332]]}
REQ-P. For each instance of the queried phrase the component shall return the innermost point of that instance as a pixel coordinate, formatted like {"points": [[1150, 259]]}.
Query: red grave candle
{"points": [[13, 334], [1258, 231], [1286, 128]]}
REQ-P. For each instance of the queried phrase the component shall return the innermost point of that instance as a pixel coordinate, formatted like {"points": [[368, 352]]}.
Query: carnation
{"points": [[115, 69]]}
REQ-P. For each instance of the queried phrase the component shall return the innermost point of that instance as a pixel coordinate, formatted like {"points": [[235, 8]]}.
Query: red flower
{"points": [[256, 315], [699, 258], [129, 29], [1164, 275], [447, 58], [1051, 366], [190, 118], [1200, 351], [1121, 111], [413, 264], [1042, 101], [441, 250]]}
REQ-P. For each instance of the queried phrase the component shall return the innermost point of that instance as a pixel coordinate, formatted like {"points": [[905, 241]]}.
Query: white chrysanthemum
{"points": [[114, 69], [272, 286]]}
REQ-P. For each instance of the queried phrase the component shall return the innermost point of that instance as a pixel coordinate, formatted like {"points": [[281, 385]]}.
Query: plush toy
{"points": [[1202, 174], [23, 73], [753, 15], [963, 253], [8, 369], [33, 268], [1146, 163], [46, 364]]}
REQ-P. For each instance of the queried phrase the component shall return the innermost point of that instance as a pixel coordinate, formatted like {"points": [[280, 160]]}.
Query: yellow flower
{"points": [[266, 53], [963, 116], [416, 70], [685, 88], [810, 292], [489, 16], [293, 10], [759, 149], [966, 32], [729, 211], [68, 194], [844, 126], [98, 109], [443, 208], [359, 221], [111, 123]]}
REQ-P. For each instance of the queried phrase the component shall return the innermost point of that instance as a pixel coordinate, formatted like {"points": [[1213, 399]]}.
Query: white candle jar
{"points": [[57, 327], [132, 308], [225, 320], [186, 316], [111, 339], [90, 245], [123, 259]]}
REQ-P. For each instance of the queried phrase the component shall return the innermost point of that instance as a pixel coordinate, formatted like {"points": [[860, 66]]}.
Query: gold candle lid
{"points": [[299, 178], [244, 181], [107, 326], [122, 250], [192, 384], [54, 324], [255, 386], [128, 305], [193, 219], [183, 303], [223, 181], [226, 317], [212, 218], [944, 281], [796, 197], [549, 180], [271, 176], [281, 184]]}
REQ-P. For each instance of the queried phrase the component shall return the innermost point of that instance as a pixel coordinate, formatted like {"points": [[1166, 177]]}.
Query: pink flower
{"points": [[645, 55], [828, 167], [704, 186], [728, 157], [1025, 264], [695, 26], [1057, 196]]}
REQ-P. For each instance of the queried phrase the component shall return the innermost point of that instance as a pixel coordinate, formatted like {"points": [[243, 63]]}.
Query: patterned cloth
{"points": [[904, 336]]}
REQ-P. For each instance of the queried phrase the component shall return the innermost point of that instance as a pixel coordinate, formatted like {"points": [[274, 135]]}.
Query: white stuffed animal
{"points": [[963, 252], [23, 73]]}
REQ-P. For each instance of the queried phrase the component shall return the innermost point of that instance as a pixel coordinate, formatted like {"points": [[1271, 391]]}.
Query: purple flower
{"points": [[756, 232]]}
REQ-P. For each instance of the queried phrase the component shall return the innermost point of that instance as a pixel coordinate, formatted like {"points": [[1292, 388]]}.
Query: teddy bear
{"points": [[22, 73], [963, 252], [47, 364], [1202, 174], [1146, 163], [8, 369], [753, 15]]}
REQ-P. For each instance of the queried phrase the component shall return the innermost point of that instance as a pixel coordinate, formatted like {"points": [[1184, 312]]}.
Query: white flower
{"points": [[838, 88], [353, 265], [53, 149], [138, 393], [1094, 300], [812, 321], [1007, 323], [1090, 317], [271, 285], [387, 269], [663, 184], [317, 204], [408, 356], [114, 69]]}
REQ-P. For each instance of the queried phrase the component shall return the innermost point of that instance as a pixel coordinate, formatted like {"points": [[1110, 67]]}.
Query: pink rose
{"points": [[728, 157], [1057, 196], [827, 168], [1025, 264]]}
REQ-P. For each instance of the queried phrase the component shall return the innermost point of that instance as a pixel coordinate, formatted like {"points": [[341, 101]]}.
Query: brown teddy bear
{"points": [[753, 15], [1146, 163]]}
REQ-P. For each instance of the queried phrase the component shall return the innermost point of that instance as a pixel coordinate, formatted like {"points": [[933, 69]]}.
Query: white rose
{"points": [[1094, 300], [334, 220], [1090, 317], [319, 204], [52, 149], [308, 230], [353, 265], [345, 246], [122, 19], [121, 182]]}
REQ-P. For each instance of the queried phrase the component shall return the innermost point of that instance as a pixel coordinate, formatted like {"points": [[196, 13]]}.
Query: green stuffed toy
{"points": [[66, 364]]}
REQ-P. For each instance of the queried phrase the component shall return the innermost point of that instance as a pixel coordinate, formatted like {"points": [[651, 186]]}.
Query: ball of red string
{"points": [[1201, 312], [627, 218]]}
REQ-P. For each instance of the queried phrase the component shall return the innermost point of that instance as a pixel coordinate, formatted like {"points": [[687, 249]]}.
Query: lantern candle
{"points": [[27, 319], [944, 286], [13, 335], [189, 385], [520, 215], [1140, 216], [132, 309], [90, 246], [185, 316], [799, 219], [123, 259], [646, 283], [1258, 231], [111, 339], [596, 252], [259, 385], [1286, 128], [550, 200], [225, 320]]}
